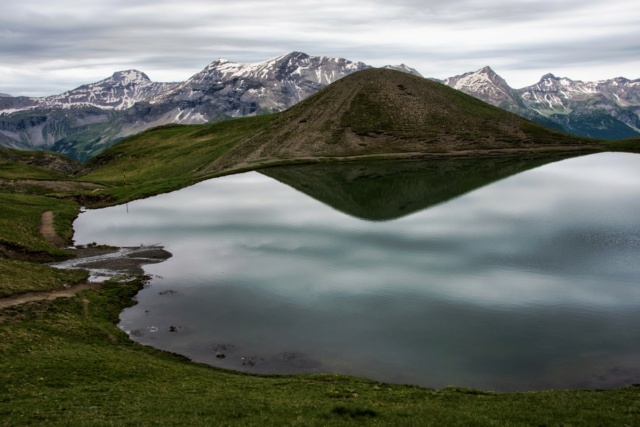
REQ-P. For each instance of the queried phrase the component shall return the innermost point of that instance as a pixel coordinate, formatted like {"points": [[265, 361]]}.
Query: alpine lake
{"points": [[495, 273]]}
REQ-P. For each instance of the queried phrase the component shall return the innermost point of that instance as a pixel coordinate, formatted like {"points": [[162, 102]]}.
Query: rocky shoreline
{"points": [[104, 262]]}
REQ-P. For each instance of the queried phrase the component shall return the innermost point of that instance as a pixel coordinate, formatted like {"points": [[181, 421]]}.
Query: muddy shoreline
{"points": [[104, 262]]}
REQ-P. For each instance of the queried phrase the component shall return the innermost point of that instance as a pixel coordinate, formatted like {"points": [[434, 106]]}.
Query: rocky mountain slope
{"points": [[374, 114], [227, 89], [607, 109], [118, 92]]}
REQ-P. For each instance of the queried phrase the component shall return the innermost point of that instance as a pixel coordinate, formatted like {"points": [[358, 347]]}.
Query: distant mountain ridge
{"points": [[228, 89], [220, 91], [118, 92], [84, 121], [608, 109], [381, 112]]}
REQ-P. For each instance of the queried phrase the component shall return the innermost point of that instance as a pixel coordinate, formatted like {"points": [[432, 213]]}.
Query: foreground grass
{"points": [[19, 225], [20, 239], [64, 362], [18, 277]]}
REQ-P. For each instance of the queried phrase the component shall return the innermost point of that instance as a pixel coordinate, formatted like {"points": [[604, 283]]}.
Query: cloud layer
{"points": [[49, 47]]}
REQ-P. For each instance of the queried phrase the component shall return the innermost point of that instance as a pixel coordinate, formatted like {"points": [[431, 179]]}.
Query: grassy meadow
{"points": [[65, 362]]}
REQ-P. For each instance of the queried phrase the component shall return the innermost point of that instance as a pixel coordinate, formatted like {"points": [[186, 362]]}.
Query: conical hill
{"points": [[386, 112]]}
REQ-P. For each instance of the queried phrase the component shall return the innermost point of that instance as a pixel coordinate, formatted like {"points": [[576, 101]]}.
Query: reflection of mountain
{"points": [[386, 190]]}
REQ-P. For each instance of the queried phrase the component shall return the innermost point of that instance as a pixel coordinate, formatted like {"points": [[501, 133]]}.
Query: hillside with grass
{"points": [[35, 165], [385, 112], [163, 159]]}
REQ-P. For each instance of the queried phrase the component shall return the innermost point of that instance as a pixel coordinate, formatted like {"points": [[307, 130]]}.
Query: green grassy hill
{"points": [[163, 159], [385, 112], [35, 165]]}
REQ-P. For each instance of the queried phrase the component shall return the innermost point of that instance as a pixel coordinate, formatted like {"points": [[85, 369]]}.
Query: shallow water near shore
{"points": [[435, 273]]}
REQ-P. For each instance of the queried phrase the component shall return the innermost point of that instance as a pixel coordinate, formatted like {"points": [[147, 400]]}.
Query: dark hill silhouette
{"points": [[390, 189]]}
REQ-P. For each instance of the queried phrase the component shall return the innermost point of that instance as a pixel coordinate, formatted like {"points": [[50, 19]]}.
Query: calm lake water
{"points": [[462, 273]]}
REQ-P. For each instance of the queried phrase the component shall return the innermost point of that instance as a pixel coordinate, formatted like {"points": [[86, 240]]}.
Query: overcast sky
{"points": [[49, 46]]}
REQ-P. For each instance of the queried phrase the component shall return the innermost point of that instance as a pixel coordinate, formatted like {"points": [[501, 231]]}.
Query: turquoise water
{"points": [[429, 273]]}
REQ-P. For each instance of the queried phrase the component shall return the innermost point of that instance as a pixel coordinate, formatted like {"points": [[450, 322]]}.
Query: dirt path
{"points": [[109, 259], [48, 231], [47, 295]]}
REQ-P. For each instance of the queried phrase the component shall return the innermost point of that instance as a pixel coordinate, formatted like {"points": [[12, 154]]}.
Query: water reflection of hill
{"points": [[386, 190]]}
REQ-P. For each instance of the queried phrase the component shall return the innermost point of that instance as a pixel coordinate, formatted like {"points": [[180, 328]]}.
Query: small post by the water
{"points": [[124, 176]]}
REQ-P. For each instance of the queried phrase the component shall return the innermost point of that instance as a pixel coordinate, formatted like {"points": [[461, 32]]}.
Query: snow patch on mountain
{"points": [[403, 68], [604, 109], [225, 88], [118, 92], [488, 86]]}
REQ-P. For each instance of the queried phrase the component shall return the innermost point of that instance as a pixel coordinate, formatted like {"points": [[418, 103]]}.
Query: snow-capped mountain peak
{"points": [[128, 77], [403, 68], [603, 109], [486, 85], [229, 88], [118, 92], [321, 70], [476, 80]]}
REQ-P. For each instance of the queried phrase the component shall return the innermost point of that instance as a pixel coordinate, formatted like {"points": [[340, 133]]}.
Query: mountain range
{"points": [[84, 121], [608, 109]]}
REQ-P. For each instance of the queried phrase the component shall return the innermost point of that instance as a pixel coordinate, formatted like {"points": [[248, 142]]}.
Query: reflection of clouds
{"points": [[565, 233], [614, 170]]}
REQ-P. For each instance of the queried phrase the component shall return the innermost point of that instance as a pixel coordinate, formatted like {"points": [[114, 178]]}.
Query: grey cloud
{"points": [[165, 36]]}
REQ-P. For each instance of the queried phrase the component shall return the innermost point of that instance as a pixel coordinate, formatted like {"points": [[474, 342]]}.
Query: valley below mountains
{"points": [[85, 121]]}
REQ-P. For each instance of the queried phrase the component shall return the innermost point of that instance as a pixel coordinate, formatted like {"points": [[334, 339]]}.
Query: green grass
{"points": [[18, 277], [19, 225], [25, 171], [164, 159], [631, 145], [64, 362], [19, 164], [386, 113]]}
